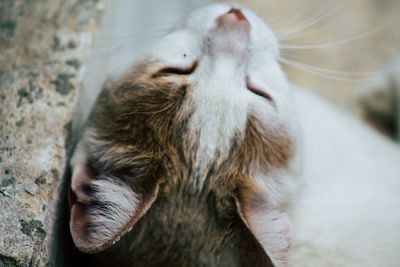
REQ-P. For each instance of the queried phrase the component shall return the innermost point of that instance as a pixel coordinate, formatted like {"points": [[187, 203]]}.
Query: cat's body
{"points": [[196, 158], [347, 211]]}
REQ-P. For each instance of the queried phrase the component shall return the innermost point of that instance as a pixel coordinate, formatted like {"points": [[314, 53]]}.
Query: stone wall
{"points": [[43, 48]]}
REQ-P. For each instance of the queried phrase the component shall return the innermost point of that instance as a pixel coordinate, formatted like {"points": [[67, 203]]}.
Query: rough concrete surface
{"points": [[43, 45]]}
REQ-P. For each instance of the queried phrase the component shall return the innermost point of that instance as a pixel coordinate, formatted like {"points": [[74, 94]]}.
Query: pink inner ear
{"points": [[80, 181], [78, 202], [79, 222], [71, 198]]}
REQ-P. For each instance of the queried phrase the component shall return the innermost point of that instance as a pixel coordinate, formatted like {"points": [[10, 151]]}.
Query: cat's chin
{"points": [[197, 129]]}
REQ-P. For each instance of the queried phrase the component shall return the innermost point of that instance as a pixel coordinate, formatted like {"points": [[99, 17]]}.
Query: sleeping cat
{"points": [[202, 154]]}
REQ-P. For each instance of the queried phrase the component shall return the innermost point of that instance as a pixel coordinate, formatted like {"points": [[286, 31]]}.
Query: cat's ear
{"points": [[104, 208], [270, 228]]}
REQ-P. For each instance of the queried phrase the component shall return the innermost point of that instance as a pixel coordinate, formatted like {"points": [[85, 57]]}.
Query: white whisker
{"points": [[314, 19], [288, 22], [333, 44], [329, 73], [291, 56], [309, 33]]}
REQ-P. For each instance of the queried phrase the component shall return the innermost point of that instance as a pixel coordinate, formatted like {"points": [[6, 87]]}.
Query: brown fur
{"points": [[138, 132]]}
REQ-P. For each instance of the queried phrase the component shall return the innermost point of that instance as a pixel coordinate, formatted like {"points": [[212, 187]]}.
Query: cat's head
{"points": [[208, 106]]}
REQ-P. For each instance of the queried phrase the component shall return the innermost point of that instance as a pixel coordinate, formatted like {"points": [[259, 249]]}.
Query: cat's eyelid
{"points": [[258, 91], [176, 70]]}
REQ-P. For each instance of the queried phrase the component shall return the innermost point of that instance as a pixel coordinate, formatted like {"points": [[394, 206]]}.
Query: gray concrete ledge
{"points": [[43, 48]]}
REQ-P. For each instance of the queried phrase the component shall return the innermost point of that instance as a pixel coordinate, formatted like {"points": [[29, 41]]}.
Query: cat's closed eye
{"points": [[258, 91], [176, 70]]}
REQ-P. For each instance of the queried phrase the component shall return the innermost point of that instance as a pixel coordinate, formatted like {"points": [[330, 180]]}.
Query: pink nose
{"points": [[233, 15], [238, 13]]}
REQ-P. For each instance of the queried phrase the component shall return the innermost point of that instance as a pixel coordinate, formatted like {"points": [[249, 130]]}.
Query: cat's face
{"points": [[227, 56], [232, 62], [207, 107]]}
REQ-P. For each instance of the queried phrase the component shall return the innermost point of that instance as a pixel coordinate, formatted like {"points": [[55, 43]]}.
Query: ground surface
{"points": [[43, 45]]}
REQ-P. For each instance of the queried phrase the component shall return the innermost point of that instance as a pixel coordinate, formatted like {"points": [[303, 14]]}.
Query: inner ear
{"points": [[269, 228], [251, 252], [104, 208]]}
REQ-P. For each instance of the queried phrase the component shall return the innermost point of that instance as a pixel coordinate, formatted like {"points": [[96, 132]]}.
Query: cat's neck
{"points": [[186, 228], [198, 223]]}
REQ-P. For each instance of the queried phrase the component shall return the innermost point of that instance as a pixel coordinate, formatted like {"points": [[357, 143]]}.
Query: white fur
{"points": [[272, 229], [220, 98], [122, 202], [220, 109], [347, 212], [111, 193], [279, 186]]}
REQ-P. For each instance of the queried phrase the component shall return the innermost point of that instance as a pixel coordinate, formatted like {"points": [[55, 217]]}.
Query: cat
{"points": [[204, 154]]}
